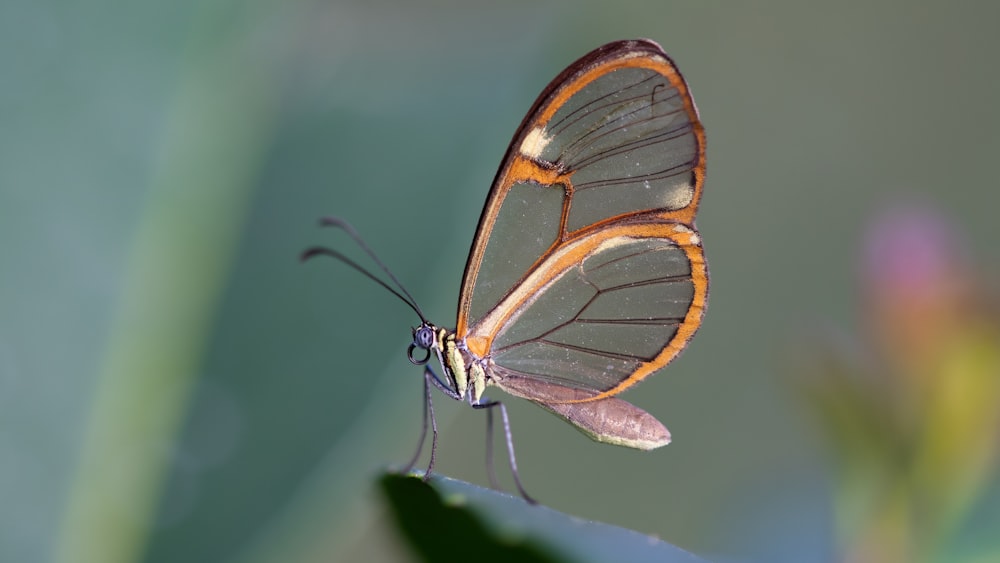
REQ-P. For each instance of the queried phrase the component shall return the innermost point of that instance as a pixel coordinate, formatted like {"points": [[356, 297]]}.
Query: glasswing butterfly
{"points": [[586, 274]]}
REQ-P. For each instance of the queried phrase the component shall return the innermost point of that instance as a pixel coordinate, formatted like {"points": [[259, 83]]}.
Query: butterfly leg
{"points": [[510, 445], [489, 450], [430, 378], [428, 411]]}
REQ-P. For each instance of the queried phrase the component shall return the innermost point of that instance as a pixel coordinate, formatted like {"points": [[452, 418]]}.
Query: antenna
{"points": [[337, 222]]}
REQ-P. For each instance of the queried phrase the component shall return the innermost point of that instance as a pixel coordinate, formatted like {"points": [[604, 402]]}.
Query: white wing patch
{"points": [[679, 197], [534, 143]]}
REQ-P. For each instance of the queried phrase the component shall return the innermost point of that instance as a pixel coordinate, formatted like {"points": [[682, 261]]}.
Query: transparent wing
{"points": [[587, 271]]}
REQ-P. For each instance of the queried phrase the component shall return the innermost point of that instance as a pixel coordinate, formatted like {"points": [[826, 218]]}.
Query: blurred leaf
{"points": [[180, 261], [445, 519]]}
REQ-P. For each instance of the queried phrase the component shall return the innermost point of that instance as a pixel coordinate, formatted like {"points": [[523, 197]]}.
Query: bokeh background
{"points": [[175, 386]]}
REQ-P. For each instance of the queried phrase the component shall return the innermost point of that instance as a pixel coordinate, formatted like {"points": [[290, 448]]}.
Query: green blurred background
{"points": [[175, 386]]}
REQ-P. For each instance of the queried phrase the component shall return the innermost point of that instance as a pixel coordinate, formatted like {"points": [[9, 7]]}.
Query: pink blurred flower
{"points": [[917, 282]]}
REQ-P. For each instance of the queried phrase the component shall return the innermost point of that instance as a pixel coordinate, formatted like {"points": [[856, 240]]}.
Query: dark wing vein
{"points": [[592, 351], [655, 321], [665, 136], [665, 321], [601, 130], [666, 173], [565, 122], [652, 281]]}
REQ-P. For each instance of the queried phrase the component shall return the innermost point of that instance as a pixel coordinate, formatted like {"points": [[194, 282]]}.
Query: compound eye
{"points": [[424, 337]]}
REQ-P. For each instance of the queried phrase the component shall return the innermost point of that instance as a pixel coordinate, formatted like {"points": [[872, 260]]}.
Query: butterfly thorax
{"points": [[464, 373]]}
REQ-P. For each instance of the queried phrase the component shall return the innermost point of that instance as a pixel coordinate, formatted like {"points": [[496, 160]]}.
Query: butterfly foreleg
{"points": [[430, 378]]}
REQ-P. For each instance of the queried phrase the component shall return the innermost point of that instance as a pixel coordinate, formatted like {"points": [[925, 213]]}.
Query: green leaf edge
{"points": [[446, 519]]}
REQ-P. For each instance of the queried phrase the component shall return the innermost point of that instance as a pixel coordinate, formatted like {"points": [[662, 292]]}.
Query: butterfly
{"points": [[586, 274]]}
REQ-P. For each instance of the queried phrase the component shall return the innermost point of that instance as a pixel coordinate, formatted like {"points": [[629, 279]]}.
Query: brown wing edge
{"points": [[610, 50]]}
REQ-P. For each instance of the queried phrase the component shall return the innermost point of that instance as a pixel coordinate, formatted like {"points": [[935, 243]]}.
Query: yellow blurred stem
{"points": [[957, 451]]}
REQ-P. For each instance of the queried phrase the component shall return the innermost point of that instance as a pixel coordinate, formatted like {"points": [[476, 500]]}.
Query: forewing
{"points": [[615, 135]]}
